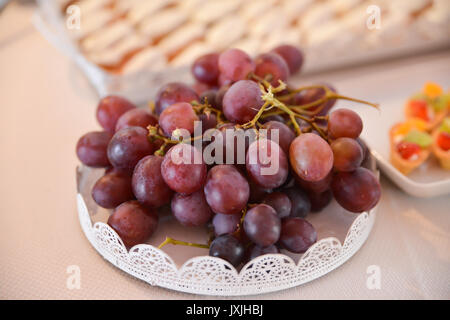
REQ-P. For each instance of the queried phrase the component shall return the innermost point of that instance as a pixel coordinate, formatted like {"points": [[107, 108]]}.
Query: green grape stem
{"points": [[300, 111], [293, 92], [154, 134], [270, 102], [182, 243], [206, 108], [252, 123], [239, 229]]}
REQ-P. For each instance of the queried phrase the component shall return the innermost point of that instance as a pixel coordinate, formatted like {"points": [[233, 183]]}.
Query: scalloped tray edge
{"points": [[214, 276]]}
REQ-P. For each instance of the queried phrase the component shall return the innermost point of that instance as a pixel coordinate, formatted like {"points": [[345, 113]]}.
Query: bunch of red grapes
{"points": [[319, 155]]}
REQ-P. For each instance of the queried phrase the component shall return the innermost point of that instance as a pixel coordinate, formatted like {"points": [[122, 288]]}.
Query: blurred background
{"points": [[123, 42]]}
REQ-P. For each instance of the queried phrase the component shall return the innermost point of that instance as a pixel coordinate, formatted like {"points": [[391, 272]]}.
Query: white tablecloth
{"points": [[46, 105]]}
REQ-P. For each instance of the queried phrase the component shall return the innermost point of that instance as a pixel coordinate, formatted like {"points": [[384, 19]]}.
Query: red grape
{"points": [[225, 223], [356, 191], [364, 148], [257, 192], [280, 202], [320, 200], [314, 94], [347, 154], [183, 169], [262, 225], [148, 184], [136, 117], [224, 81], [206, 68], [297, 235], [275, 117], [128, 146], [311, 157], [315, 186], [172, 93], [191, 210], [180, 115], [210, 96], [133, 222], [242, 101], [92, 149], [274, 65], [226, 190], [208, 121], [292, 55], [300, 202], [344, 123], [235, 64], [200, 87], [267, 163], [228, 248], [285, 134], [256, 251], [219, 96], [112, 189], [110, 109]]}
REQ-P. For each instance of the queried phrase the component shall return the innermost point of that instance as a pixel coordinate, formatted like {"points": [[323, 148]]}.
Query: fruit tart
{"points": [[441, 143], [431, 105], [410, 145]]}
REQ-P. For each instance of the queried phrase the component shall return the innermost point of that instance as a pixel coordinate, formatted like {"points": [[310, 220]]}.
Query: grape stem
{"points": [[300, 111], [182, 243], [160, 152], [151, 106], [154, 134], [240, 224], [206, 108], [260, 80], [244, 212], [292, 93], [272, 113], [270, 101], [252, 123]]}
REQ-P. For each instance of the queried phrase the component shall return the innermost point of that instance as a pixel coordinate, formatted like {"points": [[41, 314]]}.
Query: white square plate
{"points": [[390, 83], [428, 180]]}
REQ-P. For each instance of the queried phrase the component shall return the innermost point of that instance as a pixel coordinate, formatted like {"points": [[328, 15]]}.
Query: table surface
{"points": [[46, 105]]}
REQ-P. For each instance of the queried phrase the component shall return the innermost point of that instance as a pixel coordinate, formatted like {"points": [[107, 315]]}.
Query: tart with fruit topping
{"points": [[410, 145], [441, 143], [431, 105]]}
